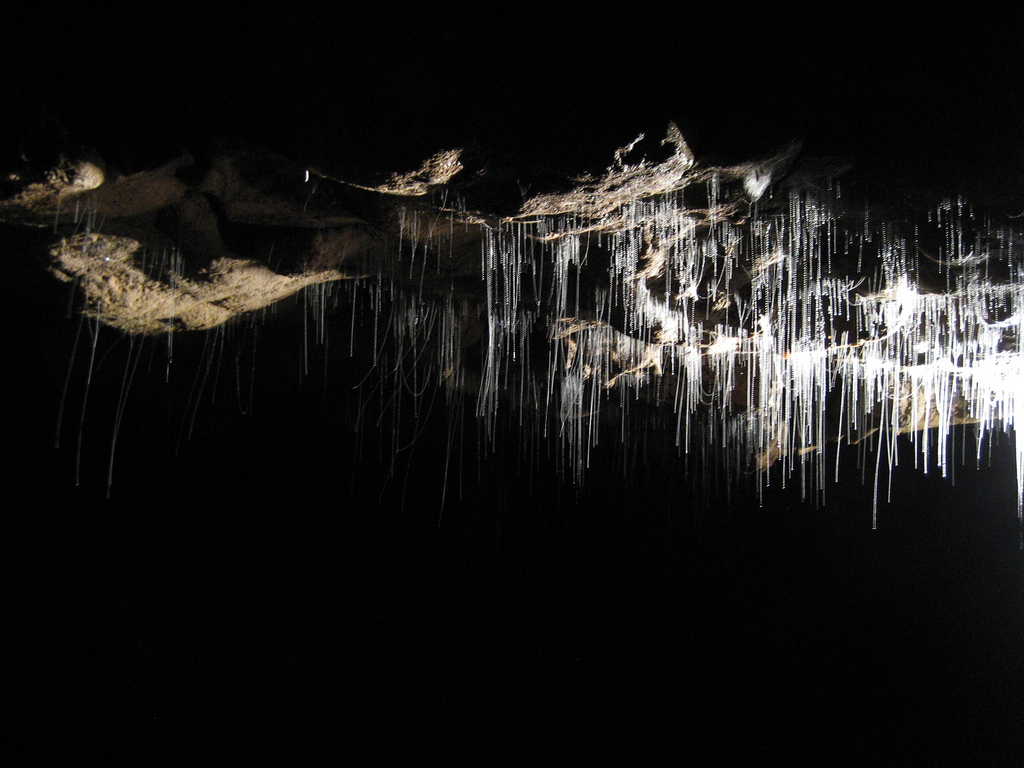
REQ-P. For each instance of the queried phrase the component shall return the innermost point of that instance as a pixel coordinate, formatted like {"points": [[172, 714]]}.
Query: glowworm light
{"points": [[767, 326], [748, 312]]}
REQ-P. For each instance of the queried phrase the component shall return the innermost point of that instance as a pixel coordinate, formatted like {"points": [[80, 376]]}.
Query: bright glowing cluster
{"points": [[767, 325]]}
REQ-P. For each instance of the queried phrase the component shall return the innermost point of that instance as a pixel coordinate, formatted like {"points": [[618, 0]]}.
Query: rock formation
{"points": [[757, 308]]}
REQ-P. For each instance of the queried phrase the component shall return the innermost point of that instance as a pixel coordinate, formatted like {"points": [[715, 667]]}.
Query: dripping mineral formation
{"points": [[753, 308]]}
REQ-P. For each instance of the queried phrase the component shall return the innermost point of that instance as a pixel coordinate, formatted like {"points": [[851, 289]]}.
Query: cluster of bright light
{"points": [[746, 328]]}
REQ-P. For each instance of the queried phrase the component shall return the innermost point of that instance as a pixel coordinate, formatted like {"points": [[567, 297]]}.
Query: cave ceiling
{"points": [[756, 306]]}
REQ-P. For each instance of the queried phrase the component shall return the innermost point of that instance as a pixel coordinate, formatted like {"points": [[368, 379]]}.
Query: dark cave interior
{"points": [[279, 569]]}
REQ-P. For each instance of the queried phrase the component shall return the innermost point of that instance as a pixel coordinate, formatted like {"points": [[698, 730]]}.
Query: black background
{"points": [[268, 577]]}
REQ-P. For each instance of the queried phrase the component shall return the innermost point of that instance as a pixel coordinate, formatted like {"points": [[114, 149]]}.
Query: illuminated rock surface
{"points": [[752, 312]]}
